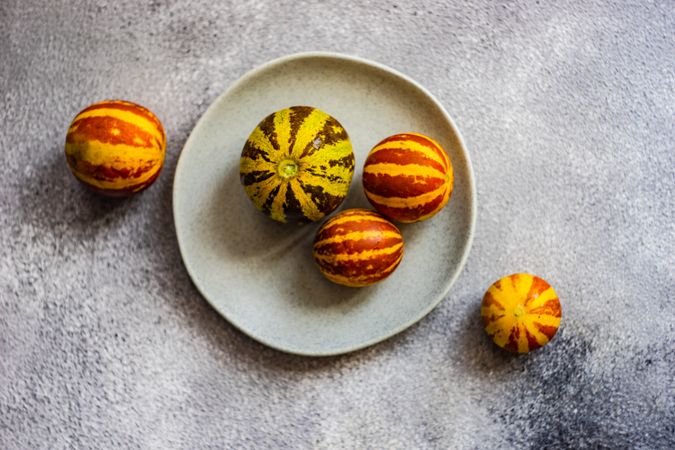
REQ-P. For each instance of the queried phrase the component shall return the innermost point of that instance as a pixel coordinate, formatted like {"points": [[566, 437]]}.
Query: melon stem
{"points": [[287, 169]]}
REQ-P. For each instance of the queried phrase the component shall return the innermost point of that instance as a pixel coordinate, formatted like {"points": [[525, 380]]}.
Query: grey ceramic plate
{"points": [[260, 275]]}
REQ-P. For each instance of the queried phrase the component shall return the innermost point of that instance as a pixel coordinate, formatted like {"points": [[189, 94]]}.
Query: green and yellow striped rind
{"points": [[357, 248], [297, 164], [521, 312]]}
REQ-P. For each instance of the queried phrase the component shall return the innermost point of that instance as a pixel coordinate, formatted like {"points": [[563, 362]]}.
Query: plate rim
{"points": [[471, 184]]}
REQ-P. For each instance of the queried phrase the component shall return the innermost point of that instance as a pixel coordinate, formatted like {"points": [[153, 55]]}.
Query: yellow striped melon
{"points": [[521, 312], [297, 164]]}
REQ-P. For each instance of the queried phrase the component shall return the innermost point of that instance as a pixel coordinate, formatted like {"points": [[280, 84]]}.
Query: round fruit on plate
{"points": [[521, 312], [357, 248], [116, 147], [408, 177], [297, 164]]}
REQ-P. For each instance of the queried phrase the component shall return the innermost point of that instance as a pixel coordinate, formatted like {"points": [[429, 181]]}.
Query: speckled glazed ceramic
{"points": [[260, 274]]}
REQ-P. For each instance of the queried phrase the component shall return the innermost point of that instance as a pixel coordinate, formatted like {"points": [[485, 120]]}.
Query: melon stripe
{"points": [[115, 191], [433, 206], [102, 153], [400, 186], [366, 254], [357, 236], [133, 108], [346, 218], [491, 318], [143, 184], [108, 178], [330, 185], [408, 203], [261, 190], [332, 175], [366, 279], [104, 172], [258, 184], [403, 155], [324, 194], [131, 118], [423, 141], [309, 208], [413, 213], [550, 308], [405, 170], [347, 281], [548, 320], [542, 339], [537, 286], [282, 127], [248, 165], [548, 330], [332, 155], [298, 116], [344, 227], [439, 201], [416, 142], [329, 137], [360, 268], [495, 325], [532, 341], [98, 172], [260, 146], [109, 130], [542, 298], [394, 264], [355, 246], [306, 134], [277, 209], [521, 340], [490, 301], [273, 193]]}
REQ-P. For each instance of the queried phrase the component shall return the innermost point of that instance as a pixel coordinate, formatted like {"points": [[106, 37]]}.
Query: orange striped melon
{"points": [[357, 248], [116, 147], [408, 177], [521, 312]]}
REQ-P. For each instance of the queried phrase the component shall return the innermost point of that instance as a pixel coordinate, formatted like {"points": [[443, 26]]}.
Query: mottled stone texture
{"points": [[568, 110]]}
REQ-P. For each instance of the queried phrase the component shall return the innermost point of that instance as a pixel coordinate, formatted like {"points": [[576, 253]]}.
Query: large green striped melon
{"points": [[297, 164]]}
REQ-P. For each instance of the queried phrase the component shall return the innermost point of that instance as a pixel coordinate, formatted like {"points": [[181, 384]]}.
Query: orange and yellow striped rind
{"points": [[358, 247], [521, 312], [116, 147], [408, 177]]}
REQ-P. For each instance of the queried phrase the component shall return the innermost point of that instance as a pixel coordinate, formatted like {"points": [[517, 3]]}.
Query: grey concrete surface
{"points": [[568, 111]]}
